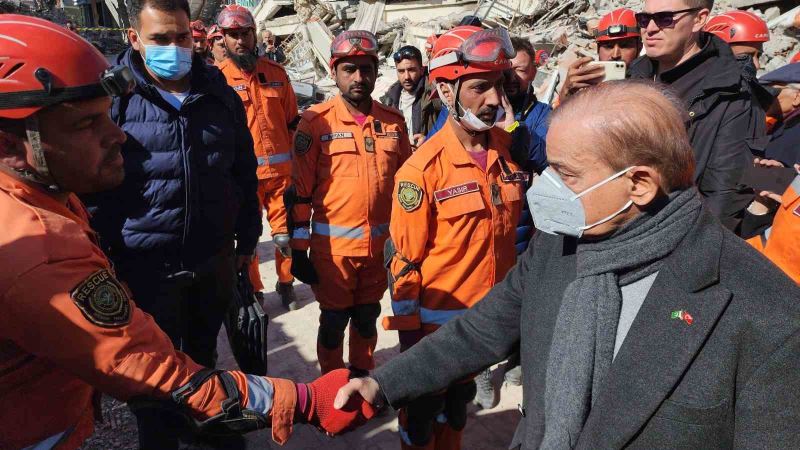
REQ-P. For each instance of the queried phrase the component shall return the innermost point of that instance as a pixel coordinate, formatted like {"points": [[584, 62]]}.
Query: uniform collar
{"points": [[344, 114], [458, 154], [40, 199]]}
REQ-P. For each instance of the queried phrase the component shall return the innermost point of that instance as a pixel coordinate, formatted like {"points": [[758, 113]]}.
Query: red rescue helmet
{"points": [[33, 76], [213, 33], [354, 43], [738, 26], [198, 29], [467, 49], [235, 17], [429, 43], [795, 58], [541, 58], [618, 24]]}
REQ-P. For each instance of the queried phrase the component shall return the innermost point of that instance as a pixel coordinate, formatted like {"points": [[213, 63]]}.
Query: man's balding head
{"points": [[635, 123], [616, 143]]}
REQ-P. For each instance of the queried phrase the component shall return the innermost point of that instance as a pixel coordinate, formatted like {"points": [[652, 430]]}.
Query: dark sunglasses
{"points": [[407, 53], [663, 19]]}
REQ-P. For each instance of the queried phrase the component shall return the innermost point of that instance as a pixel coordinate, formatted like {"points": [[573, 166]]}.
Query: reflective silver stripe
{"points": [[280, 158], [47, 444], [404, 307], [439, 316], [301, 233], [767, 232], [327, 229], [796, 184], [379, 230]]}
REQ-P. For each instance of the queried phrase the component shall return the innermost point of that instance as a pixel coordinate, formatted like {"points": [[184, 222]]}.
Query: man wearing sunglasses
{"points": [[410, 94], [345, 155], [722, 118], [69, 328]]}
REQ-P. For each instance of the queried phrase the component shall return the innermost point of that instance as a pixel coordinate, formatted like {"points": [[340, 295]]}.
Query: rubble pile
{"points": [[561, 27]]}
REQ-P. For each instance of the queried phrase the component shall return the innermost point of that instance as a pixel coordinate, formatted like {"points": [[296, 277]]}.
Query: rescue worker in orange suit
{"points": [[57, 286], [456, 206], [618, 39], [271, 108], [346, 153], [216, 46], [199, 39]]}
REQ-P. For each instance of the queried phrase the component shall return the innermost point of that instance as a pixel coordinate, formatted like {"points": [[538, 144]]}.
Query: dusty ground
{"points": [[292, 343]]}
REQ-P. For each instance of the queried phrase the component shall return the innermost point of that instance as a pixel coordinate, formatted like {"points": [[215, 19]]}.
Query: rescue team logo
{"points": [[409, 195], [302, 142], [454, 191], [336, 135], [102, 300]]}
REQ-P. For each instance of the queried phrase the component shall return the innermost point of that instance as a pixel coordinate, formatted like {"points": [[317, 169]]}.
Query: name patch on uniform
{"points": [[302, 142], [393, 134], [454, 191], [102, 300], [336, 135], [409, 195], [275, 84], [240, 87]]}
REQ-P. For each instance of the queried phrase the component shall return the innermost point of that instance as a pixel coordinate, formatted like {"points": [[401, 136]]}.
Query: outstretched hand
{"points": [[366, 388], [321, 412]]}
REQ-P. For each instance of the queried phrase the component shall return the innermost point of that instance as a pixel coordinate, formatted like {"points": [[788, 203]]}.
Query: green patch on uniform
{"points": [[102, 300], [302, 142], [409, 195]]}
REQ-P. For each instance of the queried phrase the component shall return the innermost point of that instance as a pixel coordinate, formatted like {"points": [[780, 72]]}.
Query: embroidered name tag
{"points": [[336, 135], [275, 84], [393, 134], [455, 191], [240, 87]]}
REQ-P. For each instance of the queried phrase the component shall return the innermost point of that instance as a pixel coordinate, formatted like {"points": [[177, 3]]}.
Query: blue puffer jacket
{"points": [[190, 176]]}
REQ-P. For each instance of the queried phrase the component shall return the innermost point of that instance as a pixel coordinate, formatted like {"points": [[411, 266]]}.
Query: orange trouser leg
{"points": [[255, 275], [335, 296], [270, 194], [371, 283], [362, 349]]}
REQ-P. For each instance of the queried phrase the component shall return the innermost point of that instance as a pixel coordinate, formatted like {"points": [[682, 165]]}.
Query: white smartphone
{"points": [[615, 70]]}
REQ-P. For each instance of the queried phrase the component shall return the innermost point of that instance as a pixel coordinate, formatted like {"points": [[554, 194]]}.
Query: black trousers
{"points": [[190, 307]]}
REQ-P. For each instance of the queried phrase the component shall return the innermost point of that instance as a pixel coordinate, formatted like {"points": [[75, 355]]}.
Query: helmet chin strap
{"points": [[41, 175], [455, 109]]}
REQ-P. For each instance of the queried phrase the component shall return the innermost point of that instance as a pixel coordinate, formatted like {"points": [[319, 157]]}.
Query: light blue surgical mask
{"points": [[168, 62], [558, 210]]}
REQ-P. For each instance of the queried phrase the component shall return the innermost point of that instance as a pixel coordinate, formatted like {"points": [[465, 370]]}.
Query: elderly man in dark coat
{"points": [[643, 323]]}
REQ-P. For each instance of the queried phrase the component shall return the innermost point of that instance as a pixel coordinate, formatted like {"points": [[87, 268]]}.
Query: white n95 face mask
{"points": [[558, 210]]}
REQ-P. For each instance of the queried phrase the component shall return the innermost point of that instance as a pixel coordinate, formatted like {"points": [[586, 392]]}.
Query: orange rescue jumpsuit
{"points": [[347, 170], [271, 107], [781, 242], [68, 329], [453, 228]]}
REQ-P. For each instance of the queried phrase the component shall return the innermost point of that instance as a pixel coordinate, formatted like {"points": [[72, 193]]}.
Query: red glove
{"points": [[315, 404]]}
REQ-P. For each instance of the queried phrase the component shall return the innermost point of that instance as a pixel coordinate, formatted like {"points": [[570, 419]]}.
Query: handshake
{"points": [[335, 403]]}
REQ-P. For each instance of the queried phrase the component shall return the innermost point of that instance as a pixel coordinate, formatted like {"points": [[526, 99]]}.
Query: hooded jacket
{"points": [[720, 122], [190, 176]]}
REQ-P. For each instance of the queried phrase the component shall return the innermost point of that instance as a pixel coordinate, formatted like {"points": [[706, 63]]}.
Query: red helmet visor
{"points": [[235, 19], [353, 42], [481, 47]]}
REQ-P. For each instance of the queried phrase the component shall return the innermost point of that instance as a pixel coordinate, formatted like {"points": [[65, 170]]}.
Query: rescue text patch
{"points": [[240, 87], [336, 135], [275, 84], [302, 142], [393, 134], [102, 300], [454, 191], [409, 195]]}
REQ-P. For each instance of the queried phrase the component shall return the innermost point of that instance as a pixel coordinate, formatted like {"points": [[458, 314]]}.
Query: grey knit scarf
{"points": [[583, 340]]}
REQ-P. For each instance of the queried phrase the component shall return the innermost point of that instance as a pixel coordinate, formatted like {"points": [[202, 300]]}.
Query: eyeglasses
{"points": [[407, 52], [663, 19]]}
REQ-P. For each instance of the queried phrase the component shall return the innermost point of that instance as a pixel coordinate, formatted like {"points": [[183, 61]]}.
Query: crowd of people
{"points": [[625, 248]]}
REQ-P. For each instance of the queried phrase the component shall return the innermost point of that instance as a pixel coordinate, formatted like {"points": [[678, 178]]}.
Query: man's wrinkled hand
{"points": [[321, 411]]}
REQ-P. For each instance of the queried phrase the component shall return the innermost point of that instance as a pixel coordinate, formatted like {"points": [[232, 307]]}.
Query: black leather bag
{"points": [[246, 324]]}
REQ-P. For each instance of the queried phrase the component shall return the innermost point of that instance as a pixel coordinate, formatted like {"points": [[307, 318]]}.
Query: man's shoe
{"points": [[485, 398], [514, 376], [286, 292]]}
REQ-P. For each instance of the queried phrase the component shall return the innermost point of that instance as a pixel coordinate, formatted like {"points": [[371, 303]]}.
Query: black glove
{"points": [[302, 269]]}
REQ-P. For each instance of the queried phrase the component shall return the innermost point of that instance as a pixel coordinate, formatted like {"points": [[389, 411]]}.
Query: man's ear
{"points": [[12, 151], [446, 92], [133, 38], [796, 100], [700, 20], [645, 185]]}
